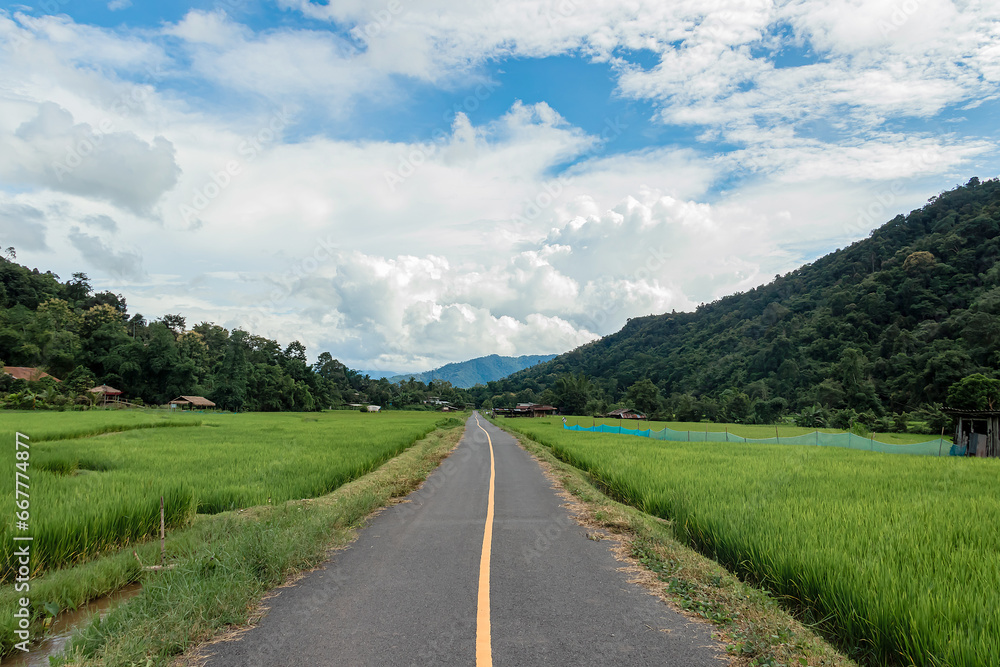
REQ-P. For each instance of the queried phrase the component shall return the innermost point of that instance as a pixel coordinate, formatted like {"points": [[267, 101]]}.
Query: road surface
{"points": [[432, 581]]}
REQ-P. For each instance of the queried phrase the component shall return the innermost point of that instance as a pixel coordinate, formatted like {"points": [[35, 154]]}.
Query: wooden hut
{"points": [[978, 432], [108, 394], [527, 410], [191, 402], [624, 413]]}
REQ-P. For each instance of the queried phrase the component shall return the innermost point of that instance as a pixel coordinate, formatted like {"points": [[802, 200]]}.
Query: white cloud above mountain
{"points": [[223, 168]]}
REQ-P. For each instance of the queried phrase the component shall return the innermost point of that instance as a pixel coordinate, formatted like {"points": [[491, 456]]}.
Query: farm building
{"points": [[978, 432], [624, 413], [108, 394], [526, 410], [191, 402], [27, 373]]}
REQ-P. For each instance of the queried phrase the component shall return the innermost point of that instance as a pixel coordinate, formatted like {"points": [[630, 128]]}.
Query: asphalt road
{"points": [[410, 590]]}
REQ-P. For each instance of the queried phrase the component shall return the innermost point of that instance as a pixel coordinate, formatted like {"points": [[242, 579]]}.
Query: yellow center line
{"points": [[484, 648]]}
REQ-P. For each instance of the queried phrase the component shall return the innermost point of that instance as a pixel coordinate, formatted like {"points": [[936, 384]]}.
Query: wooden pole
{"points": [[163, 535], [727, 434], [941, 443], [777, 440]]}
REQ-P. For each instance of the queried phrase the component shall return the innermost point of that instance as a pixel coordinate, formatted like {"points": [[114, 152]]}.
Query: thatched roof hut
{"points": [[27, 373], [106, 390], [191, 402]]}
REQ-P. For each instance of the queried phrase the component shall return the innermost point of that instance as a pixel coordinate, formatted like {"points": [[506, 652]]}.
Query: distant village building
{"points": [[435, 400], [526, 410], [624, 413], [191, 402], [977, 433], [27, 373]]}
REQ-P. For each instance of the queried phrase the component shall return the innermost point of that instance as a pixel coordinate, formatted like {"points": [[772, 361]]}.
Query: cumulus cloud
{"points": [[22, 227], [477, 238], [125, 264], [52, 151]]}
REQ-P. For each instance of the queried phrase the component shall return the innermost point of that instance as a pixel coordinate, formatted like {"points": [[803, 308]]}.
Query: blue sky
{"points": [[479, 178]]}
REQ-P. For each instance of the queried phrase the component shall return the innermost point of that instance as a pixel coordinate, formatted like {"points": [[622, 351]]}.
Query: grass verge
{"points": [[224, 564], [754, 627]]}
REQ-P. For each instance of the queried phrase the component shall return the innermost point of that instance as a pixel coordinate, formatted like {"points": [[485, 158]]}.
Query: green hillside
{"points": [[883, 326]]}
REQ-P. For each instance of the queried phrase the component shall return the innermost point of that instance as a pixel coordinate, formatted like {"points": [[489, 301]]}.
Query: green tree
{"points": [[572, 393], [975, 392], [644, 396]]}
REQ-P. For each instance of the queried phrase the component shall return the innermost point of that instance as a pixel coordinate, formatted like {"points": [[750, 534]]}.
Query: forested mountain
{"points": [[883, 326], [86, 339], [479, 370]]}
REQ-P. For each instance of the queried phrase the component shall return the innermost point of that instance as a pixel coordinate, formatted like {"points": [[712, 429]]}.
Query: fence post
{"points": [[777, 440], [689, 436], [727, 434], [941, 443]]}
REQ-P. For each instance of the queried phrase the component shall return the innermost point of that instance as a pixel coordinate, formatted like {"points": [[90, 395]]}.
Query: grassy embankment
{"points": [[92, 496], [892, 557]]}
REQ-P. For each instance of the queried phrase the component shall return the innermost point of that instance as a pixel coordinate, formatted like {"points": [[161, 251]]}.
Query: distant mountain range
{"points": [[378, 375], [467, 374]]}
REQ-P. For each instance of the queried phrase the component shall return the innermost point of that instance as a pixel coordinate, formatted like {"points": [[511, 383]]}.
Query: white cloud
{"points": [[52, 151], [22, 227], [395, 254]]}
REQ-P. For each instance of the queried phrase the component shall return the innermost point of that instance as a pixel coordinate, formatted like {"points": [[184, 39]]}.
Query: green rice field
{"points": [[897, 558], [96, 477]]}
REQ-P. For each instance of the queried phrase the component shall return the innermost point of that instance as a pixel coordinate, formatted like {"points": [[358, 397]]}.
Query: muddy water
{"points": [[63, 628]]}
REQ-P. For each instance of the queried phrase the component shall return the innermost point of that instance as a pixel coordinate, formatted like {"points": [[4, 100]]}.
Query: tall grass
{"points": [[897, 558], [91, 494]]}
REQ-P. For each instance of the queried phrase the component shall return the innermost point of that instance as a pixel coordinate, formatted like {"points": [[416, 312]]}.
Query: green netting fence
{"points": [[939, 447]]}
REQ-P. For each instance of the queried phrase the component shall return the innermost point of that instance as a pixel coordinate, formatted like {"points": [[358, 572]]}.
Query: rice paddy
{"points": [[897, 558], [96, 478]]}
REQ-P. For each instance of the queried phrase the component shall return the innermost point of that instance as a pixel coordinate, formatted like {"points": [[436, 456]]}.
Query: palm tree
{"points": [[573, 392]]}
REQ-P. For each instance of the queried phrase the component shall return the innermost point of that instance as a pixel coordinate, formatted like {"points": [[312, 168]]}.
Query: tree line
{"points": [[86, 338]]}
